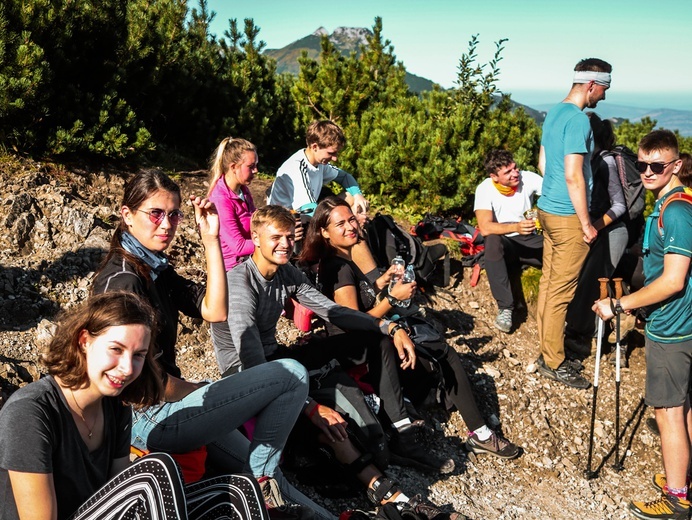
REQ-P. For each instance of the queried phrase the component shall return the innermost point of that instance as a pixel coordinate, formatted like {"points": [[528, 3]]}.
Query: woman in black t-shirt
{"points": [[330, 239], [65, 444]]}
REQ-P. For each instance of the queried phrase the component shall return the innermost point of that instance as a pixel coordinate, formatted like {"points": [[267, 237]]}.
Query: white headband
{"points": [[600, 78]]}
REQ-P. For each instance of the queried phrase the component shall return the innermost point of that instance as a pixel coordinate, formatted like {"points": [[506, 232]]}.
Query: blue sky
{"points": [[648, 43]]}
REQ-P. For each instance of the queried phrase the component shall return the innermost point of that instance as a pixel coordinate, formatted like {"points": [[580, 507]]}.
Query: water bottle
{"points": [[398, 274], [409, 276]]}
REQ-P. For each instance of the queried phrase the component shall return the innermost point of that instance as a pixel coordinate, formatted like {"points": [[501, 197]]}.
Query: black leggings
{"points": [[455, 381], [355, 348], [152, 488]]}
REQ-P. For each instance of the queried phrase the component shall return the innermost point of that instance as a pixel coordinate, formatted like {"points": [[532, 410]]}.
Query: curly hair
{"points": [[65, 359], [497, 159]]}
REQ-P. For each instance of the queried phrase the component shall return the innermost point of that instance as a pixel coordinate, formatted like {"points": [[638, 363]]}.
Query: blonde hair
{"points": [[277, 216], [230, 151]]}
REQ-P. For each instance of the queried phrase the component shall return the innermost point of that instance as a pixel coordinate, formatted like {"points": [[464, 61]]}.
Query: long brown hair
{"points": [[137, 190], [316, 247], [65, 359]]}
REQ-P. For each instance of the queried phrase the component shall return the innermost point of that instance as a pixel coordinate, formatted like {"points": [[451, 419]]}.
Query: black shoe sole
{"points": [[550, 374], [478, 450], [401, 460]]}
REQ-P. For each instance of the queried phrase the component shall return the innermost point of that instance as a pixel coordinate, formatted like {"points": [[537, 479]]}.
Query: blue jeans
{"points": [[274, 393]]}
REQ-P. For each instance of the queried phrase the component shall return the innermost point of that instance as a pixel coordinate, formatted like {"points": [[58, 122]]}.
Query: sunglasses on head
{"points": [[157, 215], [656, 167]]}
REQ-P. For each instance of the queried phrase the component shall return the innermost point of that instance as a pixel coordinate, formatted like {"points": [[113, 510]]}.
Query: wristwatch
{"points": [[392, 301], [618, 307]]}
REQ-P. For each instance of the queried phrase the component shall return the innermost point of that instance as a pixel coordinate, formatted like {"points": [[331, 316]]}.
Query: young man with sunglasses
{"points": [[501, 203], [667, 295], [563, 212]]}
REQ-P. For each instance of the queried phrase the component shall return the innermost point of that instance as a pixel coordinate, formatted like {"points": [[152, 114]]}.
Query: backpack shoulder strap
{"points": [[685, 195]]}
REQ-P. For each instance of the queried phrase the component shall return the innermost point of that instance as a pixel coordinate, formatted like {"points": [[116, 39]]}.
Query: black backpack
{"points": [[387, 240], [629, 179], [631, 182]]}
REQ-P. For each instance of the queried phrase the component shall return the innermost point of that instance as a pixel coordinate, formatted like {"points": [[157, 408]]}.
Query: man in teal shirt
{"points": [[563, 211], [667, 295]]}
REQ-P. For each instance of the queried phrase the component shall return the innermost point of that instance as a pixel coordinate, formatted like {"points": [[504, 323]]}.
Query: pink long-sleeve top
{"points": [[234, 218]]}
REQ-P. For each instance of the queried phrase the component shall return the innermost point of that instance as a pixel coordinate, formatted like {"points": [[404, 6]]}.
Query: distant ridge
{"points": [[346, 40], [680, 120]]}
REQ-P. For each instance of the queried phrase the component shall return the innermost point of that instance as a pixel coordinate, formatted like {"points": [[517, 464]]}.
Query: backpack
{"points": [[387, 240], [685, 195]]}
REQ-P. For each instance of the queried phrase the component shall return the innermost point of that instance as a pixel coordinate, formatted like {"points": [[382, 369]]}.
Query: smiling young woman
{"points": [[198, 416]]}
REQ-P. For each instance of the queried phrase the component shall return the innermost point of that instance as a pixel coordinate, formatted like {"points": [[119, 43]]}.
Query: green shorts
{"points": [[667, 373]]}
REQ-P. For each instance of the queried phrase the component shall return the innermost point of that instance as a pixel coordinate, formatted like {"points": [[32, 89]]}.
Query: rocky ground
{"points": [[55, 224]]}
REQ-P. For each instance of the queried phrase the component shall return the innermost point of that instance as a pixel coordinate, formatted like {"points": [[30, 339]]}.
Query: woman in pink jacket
{"points": [[232, 168]]}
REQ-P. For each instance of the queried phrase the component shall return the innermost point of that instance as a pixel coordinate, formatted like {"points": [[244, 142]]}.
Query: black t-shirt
{"points": [[170, 294], [335, 273], [39, 435]]}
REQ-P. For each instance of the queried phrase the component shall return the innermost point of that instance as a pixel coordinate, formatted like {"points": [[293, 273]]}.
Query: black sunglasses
{"points": [[157, 215], [656, 167]]}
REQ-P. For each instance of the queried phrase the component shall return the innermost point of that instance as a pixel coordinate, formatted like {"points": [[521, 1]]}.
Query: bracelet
{"points": [[312, 412], [397, 326], [384, 326], [391, 299]]}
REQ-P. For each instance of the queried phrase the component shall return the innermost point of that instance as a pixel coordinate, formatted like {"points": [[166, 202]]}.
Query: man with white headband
{"points": [[563, 212]]}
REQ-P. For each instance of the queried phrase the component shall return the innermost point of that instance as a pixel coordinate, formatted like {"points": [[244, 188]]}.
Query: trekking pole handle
{"points": [[603, 286], [618, 287]]}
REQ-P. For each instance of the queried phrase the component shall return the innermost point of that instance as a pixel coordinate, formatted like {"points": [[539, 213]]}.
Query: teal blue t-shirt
{"points": [[671, 320], [566, 130]]}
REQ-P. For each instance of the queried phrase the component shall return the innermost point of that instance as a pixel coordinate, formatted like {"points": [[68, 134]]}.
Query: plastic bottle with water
{"points": [[409, 276], [398, 274]]}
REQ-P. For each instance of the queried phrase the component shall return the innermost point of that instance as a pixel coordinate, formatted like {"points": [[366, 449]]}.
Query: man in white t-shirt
{"points": [[300, 178], [501, 203]]}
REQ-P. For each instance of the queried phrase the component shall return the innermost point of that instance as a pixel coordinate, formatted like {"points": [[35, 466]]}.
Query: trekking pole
{"points": [[617, 465], [603, 287]]}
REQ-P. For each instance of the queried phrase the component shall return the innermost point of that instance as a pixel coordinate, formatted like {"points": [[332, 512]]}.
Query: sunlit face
{"points": [[595, 94], [155, 237], [342, 230], [507, 176], [246, 169], [324, 155], [655, 182], [275, 245], [115, 357]]}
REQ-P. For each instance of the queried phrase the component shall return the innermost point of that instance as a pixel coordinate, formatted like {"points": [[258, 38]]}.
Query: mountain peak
{"points": [[321, 31], [350, 36]]}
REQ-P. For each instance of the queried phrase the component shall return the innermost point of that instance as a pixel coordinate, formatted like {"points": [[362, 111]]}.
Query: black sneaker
{"points": [[565, 374], [408, 448], [575, 363], [429, 511], [496, 445], [277, 508]]}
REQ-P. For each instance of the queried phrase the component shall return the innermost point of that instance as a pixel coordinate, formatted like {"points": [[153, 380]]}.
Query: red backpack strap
{"points": [[681, 195]]}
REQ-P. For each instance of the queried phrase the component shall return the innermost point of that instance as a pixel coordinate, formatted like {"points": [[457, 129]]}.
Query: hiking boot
{"points": [[565, 374], [623, 356], [277, 508], [627, 324], [660, 482], [408, 448], [666, 506], [575, 363], [429, 511], [503, 322], [496, 445]]}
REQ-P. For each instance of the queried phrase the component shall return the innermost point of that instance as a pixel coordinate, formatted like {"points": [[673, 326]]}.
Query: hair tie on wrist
{"points": [[312, 412]]}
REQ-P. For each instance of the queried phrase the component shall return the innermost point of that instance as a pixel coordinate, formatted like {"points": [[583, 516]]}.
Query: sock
{"points": [[400, 424], [483, 433], [678, 492]]}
